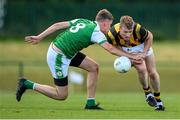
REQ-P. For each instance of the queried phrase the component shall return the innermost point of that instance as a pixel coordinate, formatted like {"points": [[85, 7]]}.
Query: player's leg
{"points": [[141, 68], [58, 65], [86, 63], [58, 92], [143, 78], [93, 70], [154, 79], [154, 76], [142, 74]]}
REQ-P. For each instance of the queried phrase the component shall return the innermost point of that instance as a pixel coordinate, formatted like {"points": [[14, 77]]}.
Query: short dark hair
{"points": [[104, 14]]}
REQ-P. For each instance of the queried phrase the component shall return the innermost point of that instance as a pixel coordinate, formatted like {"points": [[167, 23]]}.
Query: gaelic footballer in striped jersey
{"points": [[131, 37]]}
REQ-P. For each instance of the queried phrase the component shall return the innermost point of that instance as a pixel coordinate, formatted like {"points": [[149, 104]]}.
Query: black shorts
{"points": [[77, 59]]}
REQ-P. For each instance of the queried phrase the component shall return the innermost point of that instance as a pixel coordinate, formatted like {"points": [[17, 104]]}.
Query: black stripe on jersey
{"points": [[145, 37], [144, 33], [134, 32], [115, 34], [109, 39]]}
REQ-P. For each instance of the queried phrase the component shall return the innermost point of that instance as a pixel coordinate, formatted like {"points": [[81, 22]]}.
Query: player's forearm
{"points": [[53, 28], [120, 52], [116, 51]]}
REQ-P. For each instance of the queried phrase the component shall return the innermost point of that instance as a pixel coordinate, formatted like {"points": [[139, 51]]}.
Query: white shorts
{"points": [[58, 63], [139, 48]]}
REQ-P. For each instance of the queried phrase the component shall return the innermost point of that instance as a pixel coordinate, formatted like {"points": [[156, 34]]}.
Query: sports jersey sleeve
{"points": [[98, 37]]}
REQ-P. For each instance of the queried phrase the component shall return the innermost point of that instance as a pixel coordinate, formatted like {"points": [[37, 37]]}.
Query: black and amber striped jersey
{"points": [[138, 36]]}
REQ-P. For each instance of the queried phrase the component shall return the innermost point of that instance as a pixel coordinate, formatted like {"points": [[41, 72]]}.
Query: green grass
{"points": [[120, 94], [117, 105]]}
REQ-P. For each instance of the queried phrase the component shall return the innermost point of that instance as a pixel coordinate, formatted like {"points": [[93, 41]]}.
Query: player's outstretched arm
{"points": [[48, 31], [118, 52]]}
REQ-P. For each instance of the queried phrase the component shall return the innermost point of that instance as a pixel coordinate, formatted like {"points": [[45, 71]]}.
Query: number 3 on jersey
{"points": [[76, 28]]}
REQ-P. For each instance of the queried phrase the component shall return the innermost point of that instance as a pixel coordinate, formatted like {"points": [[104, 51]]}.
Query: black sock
{"points": [[157, 96], [147, 90]]}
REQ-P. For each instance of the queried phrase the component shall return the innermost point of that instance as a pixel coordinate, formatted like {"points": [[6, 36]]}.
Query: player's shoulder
{"points": [[80, 20], [138, 27], [140, 31], [116, 26]]}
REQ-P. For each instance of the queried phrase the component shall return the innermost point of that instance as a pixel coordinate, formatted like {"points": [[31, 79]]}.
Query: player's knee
{"points": [[61, 88], [62, 96], [142, 70], [153, 75], [94, 67]]}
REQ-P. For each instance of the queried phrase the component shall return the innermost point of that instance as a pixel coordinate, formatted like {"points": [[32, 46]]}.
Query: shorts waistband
{"points": [[56, 49]]}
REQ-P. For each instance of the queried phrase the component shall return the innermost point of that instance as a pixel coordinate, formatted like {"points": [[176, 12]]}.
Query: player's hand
{"points": [[137, 58], [136, 61], [32, 39], [142, 55]]}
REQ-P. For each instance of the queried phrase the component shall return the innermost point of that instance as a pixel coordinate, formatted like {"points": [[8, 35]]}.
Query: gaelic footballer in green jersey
{"points": [[79, 35]]}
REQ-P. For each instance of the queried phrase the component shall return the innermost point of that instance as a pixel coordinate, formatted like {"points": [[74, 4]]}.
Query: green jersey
{"points": [[79, 35]]}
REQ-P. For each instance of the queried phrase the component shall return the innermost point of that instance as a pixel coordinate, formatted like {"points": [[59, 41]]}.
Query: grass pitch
{"points": [[118, 93], [117, 106]]}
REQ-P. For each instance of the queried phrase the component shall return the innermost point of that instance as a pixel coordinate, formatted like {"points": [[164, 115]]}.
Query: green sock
{"points": [[29, 84], [90, 102]]}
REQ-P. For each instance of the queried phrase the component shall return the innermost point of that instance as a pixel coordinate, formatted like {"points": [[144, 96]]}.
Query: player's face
{"points": [[106, 25], [126, 33]]}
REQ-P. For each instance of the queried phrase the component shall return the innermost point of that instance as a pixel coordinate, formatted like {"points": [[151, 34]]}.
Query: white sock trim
{"points": [[34, 86], [150, 94], [90, 98]]}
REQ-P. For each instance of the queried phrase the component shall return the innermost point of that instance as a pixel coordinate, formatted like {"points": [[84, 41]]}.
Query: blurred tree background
{"points": [[22, 17]]}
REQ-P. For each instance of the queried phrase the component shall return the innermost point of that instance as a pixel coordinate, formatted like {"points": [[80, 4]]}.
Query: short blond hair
{"points": [[127, 21], [103, 15]]}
